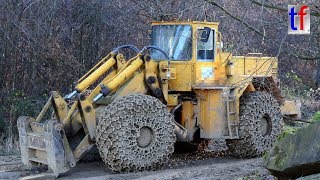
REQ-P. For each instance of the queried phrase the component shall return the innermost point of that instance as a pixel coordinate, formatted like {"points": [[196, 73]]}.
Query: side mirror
{"points": [[205, 34]]}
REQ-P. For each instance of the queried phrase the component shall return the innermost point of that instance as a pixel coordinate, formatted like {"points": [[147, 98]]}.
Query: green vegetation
{"points": [[294, 87], [287, 130], [13, 106], [316, 117]]}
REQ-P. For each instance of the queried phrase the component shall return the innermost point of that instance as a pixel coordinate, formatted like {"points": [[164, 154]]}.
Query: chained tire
{"points": [[135, 133], [260, 123]]}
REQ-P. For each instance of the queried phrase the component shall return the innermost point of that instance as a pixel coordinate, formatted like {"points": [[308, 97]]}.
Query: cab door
{"points": [[205, 56]]}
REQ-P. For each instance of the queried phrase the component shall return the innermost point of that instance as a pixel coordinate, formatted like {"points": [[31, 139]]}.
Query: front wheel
{"points": [[260, 123], [135, 133]]}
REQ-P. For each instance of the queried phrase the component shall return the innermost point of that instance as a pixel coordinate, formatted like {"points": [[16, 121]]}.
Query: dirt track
{"points": [[185, 166]]}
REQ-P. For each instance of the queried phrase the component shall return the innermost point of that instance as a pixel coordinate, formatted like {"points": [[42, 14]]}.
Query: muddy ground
{"points": [[181, 166]]}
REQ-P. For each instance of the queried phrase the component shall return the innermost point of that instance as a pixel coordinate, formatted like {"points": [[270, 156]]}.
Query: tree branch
{"points": [[259, 32], [270, 6], [235, 17]]}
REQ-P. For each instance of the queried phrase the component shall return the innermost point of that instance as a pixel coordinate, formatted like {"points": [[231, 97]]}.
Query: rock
{"points": [[311, 177], [295, 154]]}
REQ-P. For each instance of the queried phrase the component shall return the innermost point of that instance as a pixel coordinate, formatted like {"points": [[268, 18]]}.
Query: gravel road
{"points": [[181, 166]]}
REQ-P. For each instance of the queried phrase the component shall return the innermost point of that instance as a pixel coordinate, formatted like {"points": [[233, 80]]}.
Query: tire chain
{"points": [[262, 84], [118, 128], [252, 143]]}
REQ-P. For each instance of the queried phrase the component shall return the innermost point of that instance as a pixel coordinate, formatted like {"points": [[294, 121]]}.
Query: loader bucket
{"points": [[44, 143]]}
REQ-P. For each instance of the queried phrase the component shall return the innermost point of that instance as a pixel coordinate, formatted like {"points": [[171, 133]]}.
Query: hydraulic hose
{"points": [[157, 48], [132, 47], [163, 52]]}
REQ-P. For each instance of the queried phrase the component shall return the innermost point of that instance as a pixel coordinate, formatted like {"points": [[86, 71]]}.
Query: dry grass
{"points": [[9, 146]]}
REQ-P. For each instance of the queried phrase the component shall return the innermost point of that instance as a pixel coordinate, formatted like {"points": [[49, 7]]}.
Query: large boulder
{"points": [[295, 154]]}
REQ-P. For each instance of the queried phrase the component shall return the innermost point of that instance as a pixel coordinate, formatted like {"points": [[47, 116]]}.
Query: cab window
{"points": [[175, 40], [205, 45]]}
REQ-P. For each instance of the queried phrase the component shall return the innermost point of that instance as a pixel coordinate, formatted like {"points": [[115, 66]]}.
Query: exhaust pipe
{"points": [[180, 131]]}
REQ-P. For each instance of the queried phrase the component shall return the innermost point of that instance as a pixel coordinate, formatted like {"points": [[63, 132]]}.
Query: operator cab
{"points": [[176, 41], [192, 48]]}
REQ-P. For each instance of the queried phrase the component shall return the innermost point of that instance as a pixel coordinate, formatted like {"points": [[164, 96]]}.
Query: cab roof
{"points": [[184, 22]]}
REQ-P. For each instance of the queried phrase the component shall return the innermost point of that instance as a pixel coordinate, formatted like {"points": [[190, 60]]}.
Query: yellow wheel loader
{"points": [[182, 87]]}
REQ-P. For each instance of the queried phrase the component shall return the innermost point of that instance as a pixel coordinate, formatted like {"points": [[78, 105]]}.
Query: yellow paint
{"points": [[97, 89], [186, 74], [187, 119], [152, 71], [173, 73], [95, 75], [135, 85], [125, 74], [257, 66], [89, 118], [182, 80], [292, 109], [249, 88], [212, 113], [111, 54], [163, 75], [121, 61], [172, 100]]}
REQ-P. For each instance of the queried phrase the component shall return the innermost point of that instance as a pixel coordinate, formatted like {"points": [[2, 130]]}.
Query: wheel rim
{"points": [[265, 125], [145, 137]]}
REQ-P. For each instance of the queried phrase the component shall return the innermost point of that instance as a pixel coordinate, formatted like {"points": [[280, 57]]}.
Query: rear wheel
{"points": [[135, 133], [260, 124]]}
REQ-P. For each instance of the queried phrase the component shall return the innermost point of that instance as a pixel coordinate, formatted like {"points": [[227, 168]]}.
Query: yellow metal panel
{"points": [[135, 85], [173, 73], [205, 72], [88, 118], [60, 105], [188, 120], [163, 74], [292, 109], [183, 76], [172, 100], [240, 83], [213, 122], [258, 66], [213, 73]]}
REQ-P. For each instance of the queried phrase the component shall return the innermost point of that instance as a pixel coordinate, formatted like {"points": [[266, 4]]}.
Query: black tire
{"points": [[260, 124], [135, 133]]}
